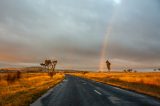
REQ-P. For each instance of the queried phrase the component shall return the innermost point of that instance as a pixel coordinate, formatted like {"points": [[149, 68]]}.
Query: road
{"points": [[75, 91]]}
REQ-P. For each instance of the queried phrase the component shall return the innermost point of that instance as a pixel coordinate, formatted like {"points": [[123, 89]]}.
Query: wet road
{"points": [[75, 91]]}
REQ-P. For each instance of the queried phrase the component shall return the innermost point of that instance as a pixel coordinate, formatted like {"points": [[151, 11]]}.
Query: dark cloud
{"points": [[73, 32]]}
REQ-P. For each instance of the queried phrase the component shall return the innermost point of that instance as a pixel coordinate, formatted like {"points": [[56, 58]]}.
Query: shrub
{"points": [[18, 75], [85, 72], [12, 77], [51, 74], [129, 70]]}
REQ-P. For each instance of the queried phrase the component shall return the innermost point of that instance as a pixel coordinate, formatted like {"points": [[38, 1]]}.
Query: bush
{"points": [[135, 71], [12, 77], [129, 71], [18, 74], [51, 74], [85, 72]]}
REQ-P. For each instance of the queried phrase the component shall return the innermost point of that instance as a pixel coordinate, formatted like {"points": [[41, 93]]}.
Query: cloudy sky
{"points": [[75, 32]]}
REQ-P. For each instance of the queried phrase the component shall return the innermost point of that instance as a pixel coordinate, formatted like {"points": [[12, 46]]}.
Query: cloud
{"points": [[73, 32]]}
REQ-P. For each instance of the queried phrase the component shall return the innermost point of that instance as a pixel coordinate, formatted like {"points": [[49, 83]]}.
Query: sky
{"points": [[80, 34]]}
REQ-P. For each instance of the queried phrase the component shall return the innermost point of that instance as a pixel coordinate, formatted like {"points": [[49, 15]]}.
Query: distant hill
{"points": [[25, 69], [37, 69]]}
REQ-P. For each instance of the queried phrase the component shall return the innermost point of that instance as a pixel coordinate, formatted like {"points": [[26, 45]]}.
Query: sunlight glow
{"points": [[117, 1]]}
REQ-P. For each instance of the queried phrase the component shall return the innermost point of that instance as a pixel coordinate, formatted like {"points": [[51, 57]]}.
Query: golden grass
{"points": [[27, 89], [146, 83]]}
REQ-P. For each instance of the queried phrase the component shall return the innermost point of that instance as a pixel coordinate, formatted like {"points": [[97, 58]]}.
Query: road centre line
{"points": [[97, 92]]}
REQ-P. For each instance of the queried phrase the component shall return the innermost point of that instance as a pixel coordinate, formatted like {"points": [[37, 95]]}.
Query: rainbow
{"points": [[103, 53]]}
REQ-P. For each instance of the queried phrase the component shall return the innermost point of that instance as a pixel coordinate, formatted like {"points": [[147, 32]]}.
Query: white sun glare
{"points": [[117, 1]]}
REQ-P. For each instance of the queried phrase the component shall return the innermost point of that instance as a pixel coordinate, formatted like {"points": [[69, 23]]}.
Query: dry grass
{"points": [[147, 83], [28, 88]]}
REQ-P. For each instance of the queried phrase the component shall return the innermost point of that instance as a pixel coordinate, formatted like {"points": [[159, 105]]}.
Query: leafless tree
{"points": [[53, 64], [49, 65], [108, 65]]}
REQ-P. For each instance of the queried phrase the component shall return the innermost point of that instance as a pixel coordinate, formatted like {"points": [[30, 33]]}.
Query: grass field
{"points": [[30, 86], [25, 90], [146, 83]]}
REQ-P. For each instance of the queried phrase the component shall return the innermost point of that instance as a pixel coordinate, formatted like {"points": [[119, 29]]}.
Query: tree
{"points": [[54, 63], [49, 65], [129, 70], [154, 69], [108, 65], [135, 71]]}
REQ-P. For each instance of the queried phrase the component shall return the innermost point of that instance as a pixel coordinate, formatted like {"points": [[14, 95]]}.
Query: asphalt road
{"points": [[75, 91]]}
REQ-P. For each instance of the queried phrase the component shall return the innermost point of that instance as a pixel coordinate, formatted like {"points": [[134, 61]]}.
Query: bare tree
{"points": [[108, 65], [49, 65], [54, 63]]}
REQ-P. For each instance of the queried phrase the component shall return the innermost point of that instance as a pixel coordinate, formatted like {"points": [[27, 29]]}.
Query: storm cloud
{"points": [[73, 32]]}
